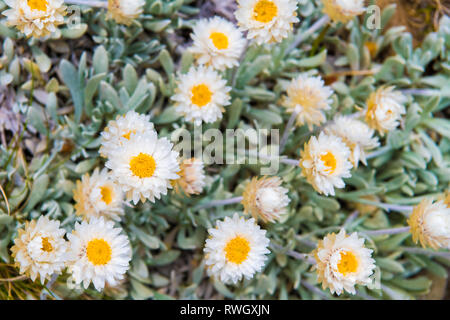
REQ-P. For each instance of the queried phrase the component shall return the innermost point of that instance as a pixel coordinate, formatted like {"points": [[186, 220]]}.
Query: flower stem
{"points": [[423, 92], [294, 254], [304, 35], [18, 278], [387, 231], [96, 4], [288, 128], [426, 252], [291, 162], [314, 289], [216, 203], [379, 152]]}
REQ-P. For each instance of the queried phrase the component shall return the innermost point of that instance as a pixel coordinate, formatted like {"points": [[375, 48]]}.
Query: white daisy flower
{"points": [[118, 131], [342, 262], [217, 43], [144, 166], [236, 248], [265, 198], [324, 162], [357, 135], [201, 95], [125, 11], [192, 177], [430, 224], [267, 21], [309, 97], [37, 18], [99, 253], [40, 249], [98, 195], [343, 10], [384, 109]]}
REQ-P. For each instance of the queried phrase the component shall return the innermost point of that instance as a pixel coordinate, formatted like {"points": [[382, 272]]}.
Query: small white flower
{"points": [[267, 21], [309, 96], [324, 162], [98, 195], [99, 253], [384, 109], [217, 43], [430, 224], [40, 249], [201, 95], [192, 177], [342, 262], [236, 248], [343, 10], [118, 131], [125, 11], [357, 135], [265, 198], [144, 166], [37, 18]]}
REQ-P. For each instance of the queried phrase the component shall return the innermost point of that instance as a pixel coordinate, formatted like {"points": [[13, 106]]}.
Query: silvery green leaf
{"points": [[389, 265], [413, 160], [100, 60], [74, 31], [246, 74], [37, 118], [165, 258], [157, 25], [70, 77], [440, 125], [314, 61], [90, 90], [433, 149], [416, 284], [186, 61], [387, 14], [234, 113], [403, 45], [266, 116], [108, 93], [140, 291], [166, 61], [38, 190], [259, 94], [167, 116], [392, 68], [8, 49], [130, 78], [85, 166], [396, 293], [352, 54], [52, 106]]}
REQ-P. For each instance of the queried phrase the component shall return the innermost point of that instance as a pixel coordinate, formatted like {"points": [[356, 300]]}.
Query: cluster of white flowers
{"points": [[95, 251]]}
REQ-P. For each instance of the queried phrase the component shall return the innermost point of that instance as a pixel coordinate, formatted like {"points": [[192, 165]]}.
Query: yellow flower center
{"points": [[264, 11], [237, 250], [40, 5], [329, 161], [127, 135], [201, 95], [143, 165], [219, 40], [46, 245], [98, 252], [348, 263], [107, 194]]}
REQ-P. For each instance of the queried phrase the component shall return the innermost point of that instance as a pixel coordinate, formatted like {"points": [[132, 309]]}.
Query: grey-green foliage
{"points": [[134, 68]]}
